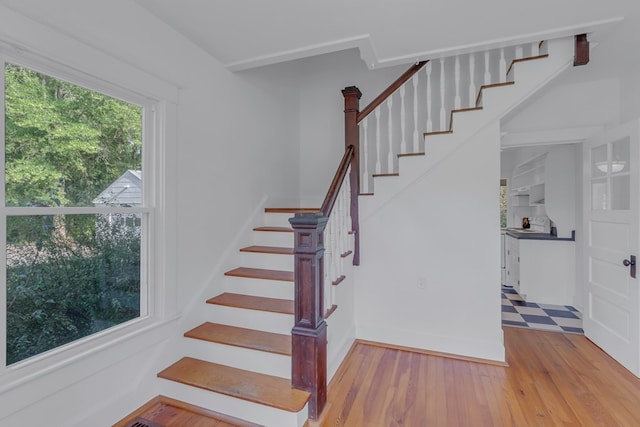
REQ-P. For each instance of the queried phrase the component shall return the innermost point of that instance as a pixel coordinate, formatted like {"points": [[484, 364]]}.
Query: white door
{"points": [[611, 318]]}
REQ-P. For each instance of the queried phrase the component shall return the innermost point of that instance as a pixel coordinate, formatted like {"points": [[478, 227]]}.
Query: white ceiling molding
{"points": [[369, 54], [363, 43], [596, 30], [548, 137]]}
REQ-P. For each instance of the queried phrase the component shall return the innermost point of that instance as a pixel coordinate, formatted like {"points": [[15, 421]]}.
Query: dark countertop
{"points": [[528, 235]]}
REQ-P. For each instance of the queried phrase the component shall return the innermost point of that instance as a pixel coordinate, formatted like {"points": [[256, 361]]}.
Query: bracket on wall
{"points": [[582, 50]]}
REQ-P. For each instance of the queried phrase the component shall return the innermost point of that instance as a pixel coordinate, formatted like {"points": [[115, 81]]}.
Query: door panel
{"points": [[611, 207]]}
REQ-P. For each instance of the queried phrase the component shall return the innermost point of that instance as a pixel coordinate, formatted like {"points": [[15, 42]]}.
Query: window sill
{"points": [[44, 375]]}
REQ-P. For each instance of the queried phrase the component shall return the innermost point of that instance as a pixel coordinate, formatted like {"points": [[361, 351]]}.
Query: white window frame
{"points": [[158, 288]]}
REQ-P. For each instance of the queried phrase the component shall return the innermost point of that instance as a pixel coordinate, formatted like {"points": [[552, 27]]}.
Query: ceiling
{"points": [[249, 33], [244, 34]]}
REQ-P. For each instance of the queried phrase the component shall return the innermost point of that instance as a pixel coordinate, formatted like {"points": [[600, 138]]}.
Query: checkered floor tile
{"points": [[520, 313]]}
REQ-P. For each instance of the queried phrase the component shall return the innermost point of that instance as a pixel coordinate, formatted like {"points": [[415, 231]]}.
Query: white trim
{"points": [[370, 56], [18, 38], [156, 309]]}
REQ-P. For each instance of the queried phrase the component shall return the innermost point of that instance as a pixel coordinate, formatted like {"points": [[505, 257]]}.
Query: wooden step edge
{"points": [[439, 132], [494, 85], [528, 58], [250, 302], [291, 210], [338, 280], [380, 175], [252, 339], [461, 110], [346, 254], [161, 407], [261, 273], [276, 250], [464, 110], [410, 155], [250, 386], [366, 194], [490, 86], [330, 311], [274, 229]]}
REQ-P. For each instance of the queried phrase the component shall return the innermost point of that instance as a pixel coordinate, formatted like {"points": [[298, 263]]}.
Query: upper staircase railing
{"points": [[395, 124]]}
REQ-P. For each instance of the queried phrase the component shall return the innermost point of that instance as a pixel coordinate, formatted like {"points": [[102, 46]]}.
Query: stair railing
{"points": [[316, 269], [422, 100]]}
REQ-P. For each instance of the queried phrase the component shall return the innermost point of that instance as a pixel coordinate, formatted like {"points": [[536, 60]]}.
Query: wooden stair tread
{"points": [[291, 210], [264, 389], [169, 412], [275, 229], [242, 337], [438, 132], [268, 250], [250, 302], [261, 273], [409, 155]]}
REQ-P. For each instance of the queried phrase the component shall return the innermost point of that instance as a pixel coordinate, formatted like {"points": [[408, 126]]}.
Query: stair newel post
{"points": [[309, 333], [352, 97]]}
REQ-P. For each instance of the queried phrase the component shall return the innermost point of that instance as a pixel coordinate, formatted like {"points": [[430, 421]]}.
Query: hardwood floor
{"points": [[553, 379]]}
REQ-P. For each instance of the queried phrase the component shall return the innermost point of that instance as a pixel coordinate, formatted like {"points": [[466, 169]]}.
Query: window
{"points": [[75, 212]]}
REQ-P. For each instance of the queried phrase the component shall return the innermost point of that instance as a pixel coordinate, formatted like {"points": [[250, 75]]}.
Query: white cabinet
{"points": [[528, 180], [542, 271]]}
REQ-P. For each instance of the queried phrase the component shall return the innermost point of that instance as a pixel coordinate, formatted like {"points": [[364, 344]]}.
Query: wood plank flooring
{"points": [[553, 379]]}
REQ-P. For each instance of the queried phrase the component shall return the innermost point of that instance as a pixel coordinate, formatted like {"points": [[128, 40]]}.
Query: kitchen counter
{"points": [[519, 233]]}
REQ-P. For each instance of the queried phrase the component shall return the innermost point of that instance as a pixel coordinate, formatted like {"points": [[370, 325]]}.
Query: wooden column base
{"points": [[310, 371]]}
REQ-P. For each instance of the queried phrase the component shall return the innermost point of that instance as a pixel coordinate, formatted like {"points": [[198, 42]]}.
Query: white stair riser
{"points": [[277, 219], [238, 357], [249, 411], [269, 261], [259, 287], [251, 319], [273, 238]]}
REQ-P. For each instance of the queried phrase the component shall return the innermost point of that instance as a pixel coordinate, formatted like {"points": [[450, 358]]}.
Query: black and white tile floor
{"points": [[520, 313]]}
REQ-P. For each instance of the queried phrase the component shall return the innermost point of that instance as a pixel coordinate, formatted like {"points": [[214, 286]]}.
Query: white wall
{"points": [[235, 141], [322, 112], [435, 231]]}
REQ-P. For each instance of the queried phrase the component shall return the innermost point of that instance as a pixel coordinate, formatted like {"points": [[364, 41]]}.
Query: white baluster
{"points": [[365, 155], [443, 113], [503, 67], [535, 49], [416, 140], [457, 102], [519, 52], [487, 73], [347, 184], [472, 84], [403, 142], [378, 165], [390, 128], [328, 260], [429, 109]]}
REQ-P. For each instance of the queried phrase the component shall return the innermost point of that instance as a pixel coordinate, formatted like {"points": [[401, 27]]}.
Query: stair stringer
{"points": [[529, 77]]}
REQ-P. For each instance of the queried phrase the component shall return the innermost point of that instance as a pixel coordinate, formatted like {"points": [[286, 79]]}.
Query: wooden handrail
{"points": [[338, 179], [392, 88]]}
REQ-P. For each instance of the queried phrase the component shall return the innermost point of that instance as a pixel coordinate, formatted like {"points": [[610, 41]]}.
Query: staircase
{"points": [[239, 360]]}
